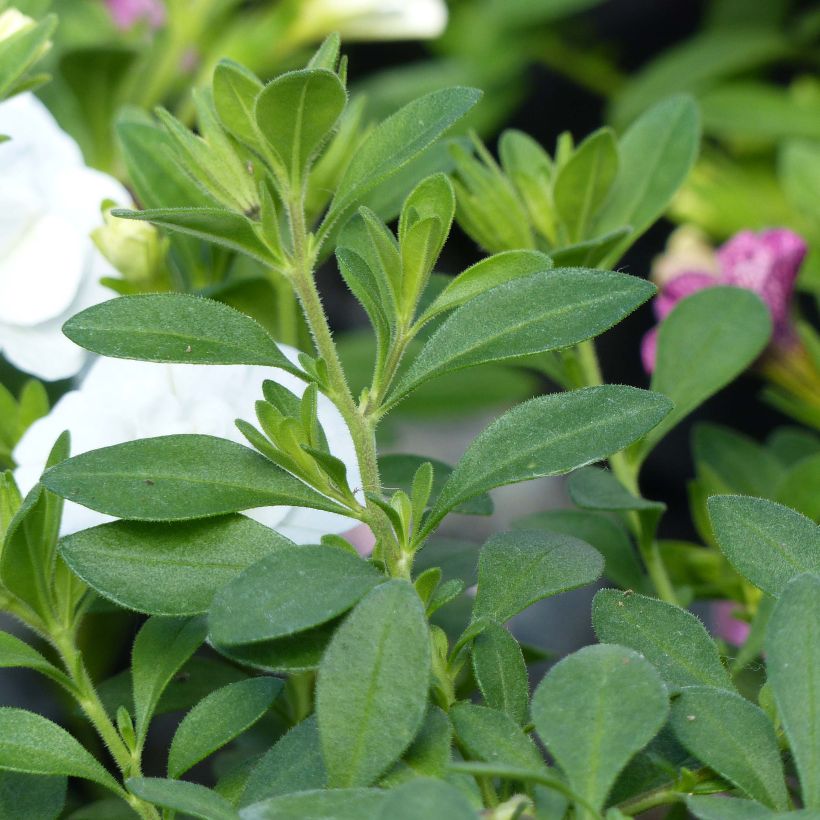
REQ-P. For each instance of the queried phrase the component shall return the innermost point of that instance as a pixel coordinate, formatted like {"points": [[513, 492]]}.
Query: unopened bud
{"points": [[135, 248]]}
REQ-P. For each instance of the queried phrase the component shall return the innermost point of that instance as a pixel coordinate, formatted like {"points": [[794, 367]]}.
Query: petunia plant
{"points": [[383, 686]]}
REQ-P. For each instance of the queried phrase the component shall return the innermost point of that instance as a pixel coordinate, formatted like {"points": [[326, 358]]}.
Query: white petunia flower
{"points": [[121, 400], [371, 19], [49, 268]]}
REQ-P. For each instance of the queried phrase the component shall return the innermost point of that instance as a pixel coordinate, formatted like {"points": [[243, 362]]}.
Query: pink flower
{"points": [[127, 13], [766, 263], [725, 625]]}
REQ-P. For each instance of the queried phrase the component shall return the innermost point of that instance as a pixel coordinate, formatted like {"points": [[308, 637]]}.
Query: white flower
{"points": [[371, 19], [122, 400], [49, 268], [12, 21]]}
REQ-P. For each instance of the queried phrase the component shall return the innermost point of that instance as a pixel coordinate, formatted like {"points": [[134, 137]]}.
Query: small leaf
{"points": [[793, 672], [293, 764], [217, 719], [31, 743], [161, 647], [708, 340], [291, 590], [15, 653], [427, 798], [295, 114], [176, 478], [546, 311], [731, 808], [734, 737], [235, 90], [595, 489], [372, 690], [500, 672], [332, 804], [551, 435], [673, 640], [179, 795], [516, 569], [167, 569], [430, 752], [765, 542], [592, 745], [174, 327]]}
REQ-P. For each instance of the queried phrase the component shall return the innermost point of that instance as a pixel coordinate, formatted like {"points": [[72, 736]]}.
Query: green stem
{"points": [[665, 794]]}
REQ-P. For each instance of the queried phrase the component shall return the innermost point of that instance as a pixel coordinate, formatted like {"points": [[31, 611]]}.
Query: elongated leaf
{"points": [[793, 672], [235, 91], [291, 590], [296, 112], [372, 691], [765, 542], [175, 478], [494, 737], [673, 640], [17, 653], [167, 569], [395, 142], [430, 752], [727, 808], [29, 795], [500, 672], [487, 274], [161, 647], [338, 804], [709, 339], [592, 745], [656, 154], [226, 228], [551, 435], [428, 798], [174, 327], [179, 795], [595, 489], [542, 312], [31, 743], [218, 719], [734, 737], [293, 764], [516, 569]]}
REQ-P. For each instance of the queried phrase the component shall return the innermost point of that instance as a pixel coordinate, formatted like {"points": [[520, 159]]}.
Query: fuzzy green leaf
{"points": [[179, 795], [765, 542], [293, 589], [500, 672], [593, 744], [235, 91], [427, 798], [30, 795], [372, 691], [15, 653], [335, 804]]}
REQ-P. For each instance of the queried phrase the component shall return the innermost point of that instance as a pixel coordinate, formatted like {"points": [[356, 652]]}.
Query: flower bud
{"points": [[13, 21], [135, 248]]}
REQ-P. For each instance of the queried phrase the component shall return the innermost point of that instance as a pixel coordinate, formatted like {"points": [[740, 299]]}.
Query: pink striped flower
{"points": [[127, 13], [766, 263]]}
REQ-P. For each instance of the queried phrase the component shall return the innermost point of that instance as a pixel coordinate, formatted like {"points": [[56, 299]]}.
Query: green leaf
{"points": [[494, 737], [708, 340], [179, 795], [427, 798], [800, 488], [593, 488], [430, 752], [167, 569], [734, 737], [295, 114], [218, 719], [656, 154], [793, 672], [15, 653], [489, 273], [765, 542], [395, 142], [593, 744], [175, 327], [334, 804], [516, 569], [291, 590], [372, 690], [727, 808], [175, 478], [293, 764], [551, 435], [235, 90], [160, 649], [457, 559], [500, 672], [28, 795], [592, 252], [31, 743], [546, 311], [229, 229], [673, 640], [20, 50], [600, 531], [398, 469], [584, 181]]}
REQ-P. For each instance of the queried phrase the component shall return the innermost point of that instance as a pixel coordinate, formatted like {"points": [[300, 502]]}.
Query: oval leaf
{"points": [[500, 672], [371, 696], [291, 590], [179, 795], [338, 804]]}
